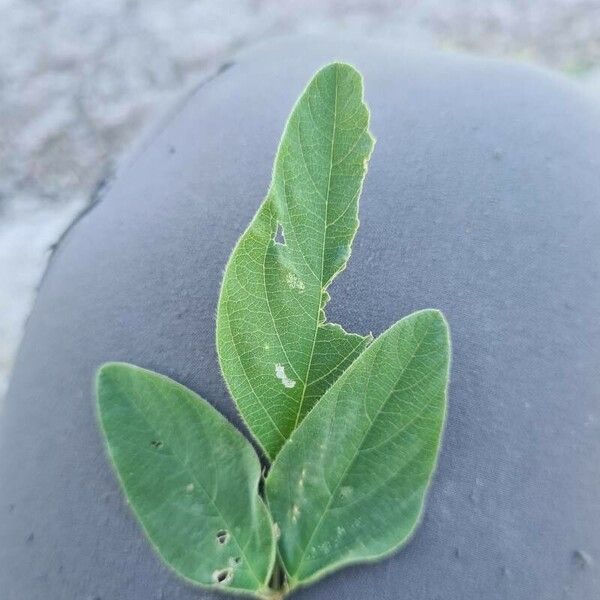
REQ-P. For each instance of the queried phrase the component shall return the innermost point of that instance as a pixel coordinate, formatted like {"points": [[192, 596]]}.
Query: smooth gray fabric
{"points": [[482, 199]]}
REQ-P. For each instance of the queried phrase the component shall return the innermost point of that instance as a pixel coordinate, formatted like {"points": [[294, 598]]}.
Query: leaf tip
{"points": [[110, 369]]}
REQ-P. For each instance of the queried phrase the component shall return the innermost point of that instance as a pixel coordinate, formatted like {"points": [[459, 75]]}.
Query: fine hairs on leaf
{"points": [[350, 427]]}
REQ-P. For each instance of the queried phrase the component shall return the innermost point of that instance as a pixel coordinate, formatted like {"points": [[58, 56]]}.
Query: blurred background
{"points": [[80, 80]]}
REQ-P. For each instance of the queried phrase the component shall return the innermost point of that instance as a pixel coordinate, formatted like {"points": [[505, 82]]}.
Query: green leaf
{"points": [[349, 485], [190, 477], [277, 354]]}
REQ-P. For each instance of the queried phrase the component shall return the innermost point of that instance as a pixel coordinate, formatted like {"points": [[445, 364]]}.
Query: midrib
{"points": [[314, 342]]}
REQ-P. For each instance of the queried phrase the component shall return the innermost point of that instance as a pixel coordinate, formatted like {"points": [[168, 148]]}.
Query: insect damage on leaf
{"points": [[280, 374], [223, 576], [351, 426], [223, 537]]}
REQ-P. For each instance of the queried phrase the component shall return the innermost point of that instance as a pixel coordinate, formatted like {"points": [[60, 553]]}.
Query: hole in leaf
{"points": [[222, 576], [222, 536], [156, 444], [235, 561], [279, 237]]}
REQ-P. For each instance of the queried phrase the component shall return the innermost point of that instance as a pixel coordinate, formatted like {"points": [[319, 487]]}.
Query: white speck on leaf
{"points": [[189, 487], [302, 476], [294, 282], [280, 374]]}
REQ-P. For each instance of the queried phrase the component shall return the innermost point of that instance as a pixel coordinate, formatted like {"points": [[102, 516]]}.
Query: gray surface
{"points": [[481, 199]]}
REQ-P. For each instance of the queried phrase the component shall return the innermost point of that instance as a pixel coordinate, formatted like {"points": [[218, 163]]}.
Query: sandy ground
{"points": [[80, 79]]}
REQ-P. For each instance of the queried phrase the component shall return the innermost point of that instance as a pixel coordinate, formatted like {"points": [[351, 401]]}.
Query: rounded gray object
{"points": [[481, 200]]}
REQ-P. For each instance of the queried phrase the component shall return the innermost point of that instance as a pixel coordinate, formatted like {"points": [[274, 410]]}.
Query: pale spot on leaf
{"points": [[294, 282], [280, 374], [302, 476], [346, 491]]}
